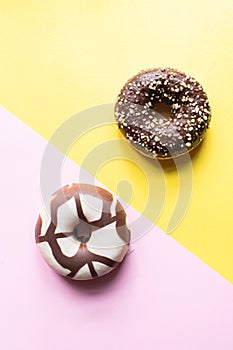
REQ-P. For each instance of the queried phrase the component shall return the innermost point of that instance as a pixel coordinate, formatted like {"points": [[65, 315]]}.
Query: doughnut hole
{"points": [[164, 109]]}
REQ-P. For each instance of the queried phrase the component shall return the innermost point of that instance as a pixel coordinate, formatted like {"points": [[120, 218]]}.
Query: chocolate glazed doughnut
{"points": [[152, 133], [82, 234]]}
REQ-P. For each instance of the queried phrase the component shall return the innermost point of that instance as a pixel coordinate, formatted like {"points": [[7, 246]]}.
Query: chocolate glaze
{"points": [[150, 132], [85, 228]]}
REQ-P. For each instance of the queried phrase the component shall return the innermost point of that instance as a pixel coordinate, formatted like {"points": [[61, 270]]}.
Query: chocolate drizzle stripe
{"points": [[95, 225], [92, 269], [79, 208], [57, 235]]}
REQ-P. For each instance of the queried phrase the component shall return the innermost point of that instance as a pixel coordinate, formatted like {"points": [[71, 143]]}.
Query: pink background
{"points": [[161, 298]]}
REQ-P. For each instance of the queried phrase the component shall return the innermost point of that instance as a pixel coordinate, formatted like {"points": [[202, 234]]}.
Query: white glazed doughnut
{"points": [[84, 233]]}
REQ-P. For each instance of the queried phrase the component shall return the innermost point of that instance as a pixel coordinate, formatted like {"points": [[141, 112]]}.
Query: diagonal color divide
{"points": [[107, 151], [46, 77], [162, 296]]}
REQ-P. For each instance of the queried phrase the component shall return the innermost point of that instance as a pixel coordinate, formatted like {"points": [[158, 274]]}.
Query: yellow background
{"points": [[60, 57]]}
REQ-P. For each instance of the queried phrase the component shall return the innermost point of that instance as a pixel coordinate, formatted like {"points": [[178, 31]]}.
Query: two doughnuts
{"points": [[82, 232]]}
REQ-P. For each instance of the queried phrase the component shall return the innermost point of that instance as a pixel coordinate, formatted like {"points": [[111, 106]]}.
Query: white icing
{"points": [[46, 252], [106, 237], [92, 207], [101, 269], [116, 254], [69, 246], [83, 273], [113, 207], [45, 217], [67, 216]]}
